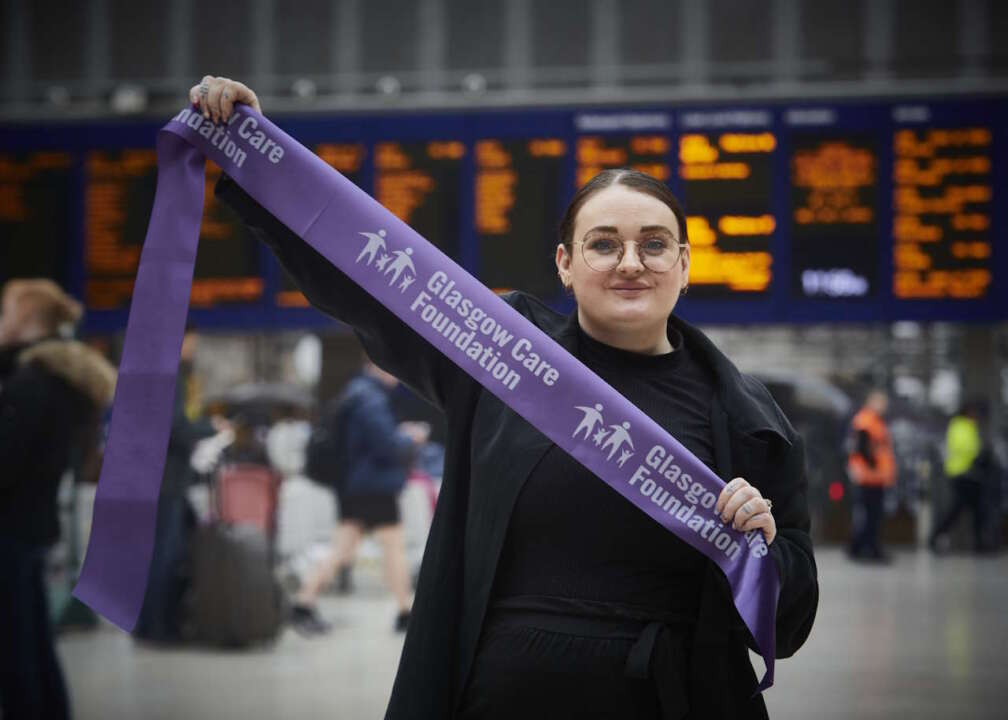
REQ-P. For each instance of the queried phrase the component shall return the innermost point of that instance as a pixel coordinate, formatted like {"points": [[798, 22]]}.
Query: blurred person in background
{"points": [[543, 593], [367, 462], [161, 616], [53, 393], [971, 469], [872, 468]]}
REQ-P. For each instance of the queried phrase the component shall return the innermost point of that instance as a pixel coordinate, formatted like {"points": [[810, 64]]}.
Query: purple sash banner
{"points": [[459, 316]]}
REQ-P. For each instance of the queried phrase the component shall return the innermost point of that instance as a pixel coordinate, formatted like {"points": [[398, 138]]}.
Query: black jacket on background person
{"points": [[51, 396], [489, 454]]}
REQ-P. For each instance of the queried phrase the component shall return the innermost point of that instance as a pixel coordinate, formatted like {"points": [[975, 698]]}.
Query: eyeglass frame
{"points": [[640, 257]]}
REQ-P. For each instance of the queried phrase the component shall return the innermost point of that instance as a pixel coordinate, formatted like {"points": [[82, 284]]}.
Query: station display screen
{"points": [[834, 220], [942, 202], [519, 195], [228, 260], [421, 183], [37, 220], [817, 211], [648, 153], [118, 196], [727, 182]]}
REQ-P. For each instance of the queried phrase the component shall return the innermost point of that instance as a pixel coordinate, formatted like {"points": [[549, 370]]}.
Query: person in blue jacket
{"points": [[374, 453]]}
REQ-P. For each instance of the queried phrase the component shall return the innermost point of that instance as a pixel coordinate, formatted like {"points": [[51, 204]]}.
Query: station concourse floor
{"points": [[924, 638]]}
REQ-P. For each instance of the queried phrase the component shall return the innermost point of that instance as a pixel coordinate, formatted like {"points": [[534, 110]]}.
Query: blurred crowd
{"points": [[268, 493]]}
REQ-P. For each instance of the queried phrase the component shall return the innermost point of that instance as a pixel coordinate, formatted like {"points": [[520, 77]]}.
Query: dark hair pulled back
{"points": [[633, 179]]}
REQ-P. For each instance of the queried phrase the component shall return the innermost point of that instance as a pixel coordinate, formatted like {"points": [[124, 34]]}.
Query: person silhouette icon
{"points": [[616, 439], [376, 242], [401, 263], [592, 417]]}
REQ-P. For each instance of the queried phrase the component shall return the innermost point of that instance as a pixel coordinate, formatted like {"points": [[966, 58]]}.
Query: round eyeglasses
{"points": [[657, 254]]}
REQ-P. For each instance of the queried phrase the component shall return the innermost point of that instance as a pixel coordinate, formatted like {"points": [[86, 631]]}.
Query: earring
{"points": [[684, 289]]}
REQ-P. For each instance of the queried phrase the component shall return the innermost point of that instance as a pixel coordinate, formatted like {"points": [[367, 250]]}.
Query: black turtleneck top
{"points": [[573, 537]]}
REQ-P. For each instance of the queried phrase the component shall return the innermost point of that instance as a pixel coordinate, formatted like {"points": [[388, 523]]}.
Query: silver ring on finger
{"points": [[769, 504], [204, 90]]}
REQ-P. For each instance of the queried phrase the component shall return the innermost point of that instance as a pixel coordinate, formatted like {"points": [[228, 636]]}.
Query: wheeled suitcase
{"points": [[236, 600]]}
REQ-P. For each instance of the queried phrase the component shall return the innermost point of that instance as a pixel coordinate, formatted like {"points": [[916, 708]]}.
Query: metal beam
{"points": [[96, 48], [18, 73], [974, 41], [786, 37], [431, 46], [180, 44], [695, 41], [518, 44], [262, 45], [605, 45], [344, 35], [878, 38]]}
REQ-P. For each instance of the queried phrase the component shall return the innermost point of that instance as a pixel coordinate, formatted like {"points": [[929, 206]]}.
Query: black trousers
{"points": [[539, 666], [865, 542], [31, 683], [170, 573], [969, 495]]}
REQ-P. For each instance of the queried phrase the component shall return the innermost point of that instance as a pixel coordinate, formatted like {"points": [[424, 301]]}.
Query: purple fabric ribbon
{"points": [[459, 316]]}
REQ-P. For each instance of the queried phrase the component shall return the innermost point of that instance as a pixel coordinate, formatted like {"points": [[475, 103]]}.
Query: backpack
{"points": [[325, 454]]}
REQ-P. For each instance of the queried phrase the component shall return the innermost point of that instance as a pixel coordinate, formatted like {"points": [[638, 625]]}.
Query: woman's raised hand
{"points": [[746, 509], [216, 96]]}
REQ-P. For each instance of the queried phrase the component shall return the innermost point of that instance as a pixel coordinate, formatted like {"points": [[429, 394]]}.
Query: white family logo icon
{"points": [[396, 263], [613, 438]]}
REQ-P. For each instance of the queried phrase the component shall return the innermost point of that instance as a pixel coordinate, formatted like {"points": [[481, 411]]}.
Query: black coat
{"points": [[51, 397], [491, 451]]}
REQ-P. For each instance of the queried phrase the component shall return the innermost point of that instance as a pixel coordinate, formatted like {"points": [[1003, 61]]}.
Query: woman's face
{"points": [[629, 300]]}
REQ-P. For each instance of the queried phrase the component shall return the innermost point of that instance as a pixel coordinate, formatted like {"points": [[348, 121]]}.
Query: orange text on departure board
{"points": [[112, 259], [15, 174], [647, 153], [833, 175], [496, 181], [401, 187], [345, 157], [942, 198], [700, 159], [726, 159], [107, 252]]}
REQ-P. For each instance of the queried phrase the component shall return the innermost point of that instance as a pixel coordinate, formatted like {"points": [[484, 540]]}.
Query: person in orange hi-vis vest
{"points": [[872, 468]]}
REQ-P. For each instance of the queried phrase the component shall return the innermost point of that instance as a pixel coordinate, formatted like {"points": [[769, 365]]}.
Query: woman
{"points": [[52, 394], [539, 582]]}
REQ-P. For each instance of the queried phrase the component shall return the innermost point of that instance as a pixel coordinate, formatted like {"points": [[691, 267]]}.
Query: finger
{"points": [[244, 94], [194, 95], [763, 522], [213, 99], [738, 500], [227, 101], [726, 493], [204, 83], [750, 509]]}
